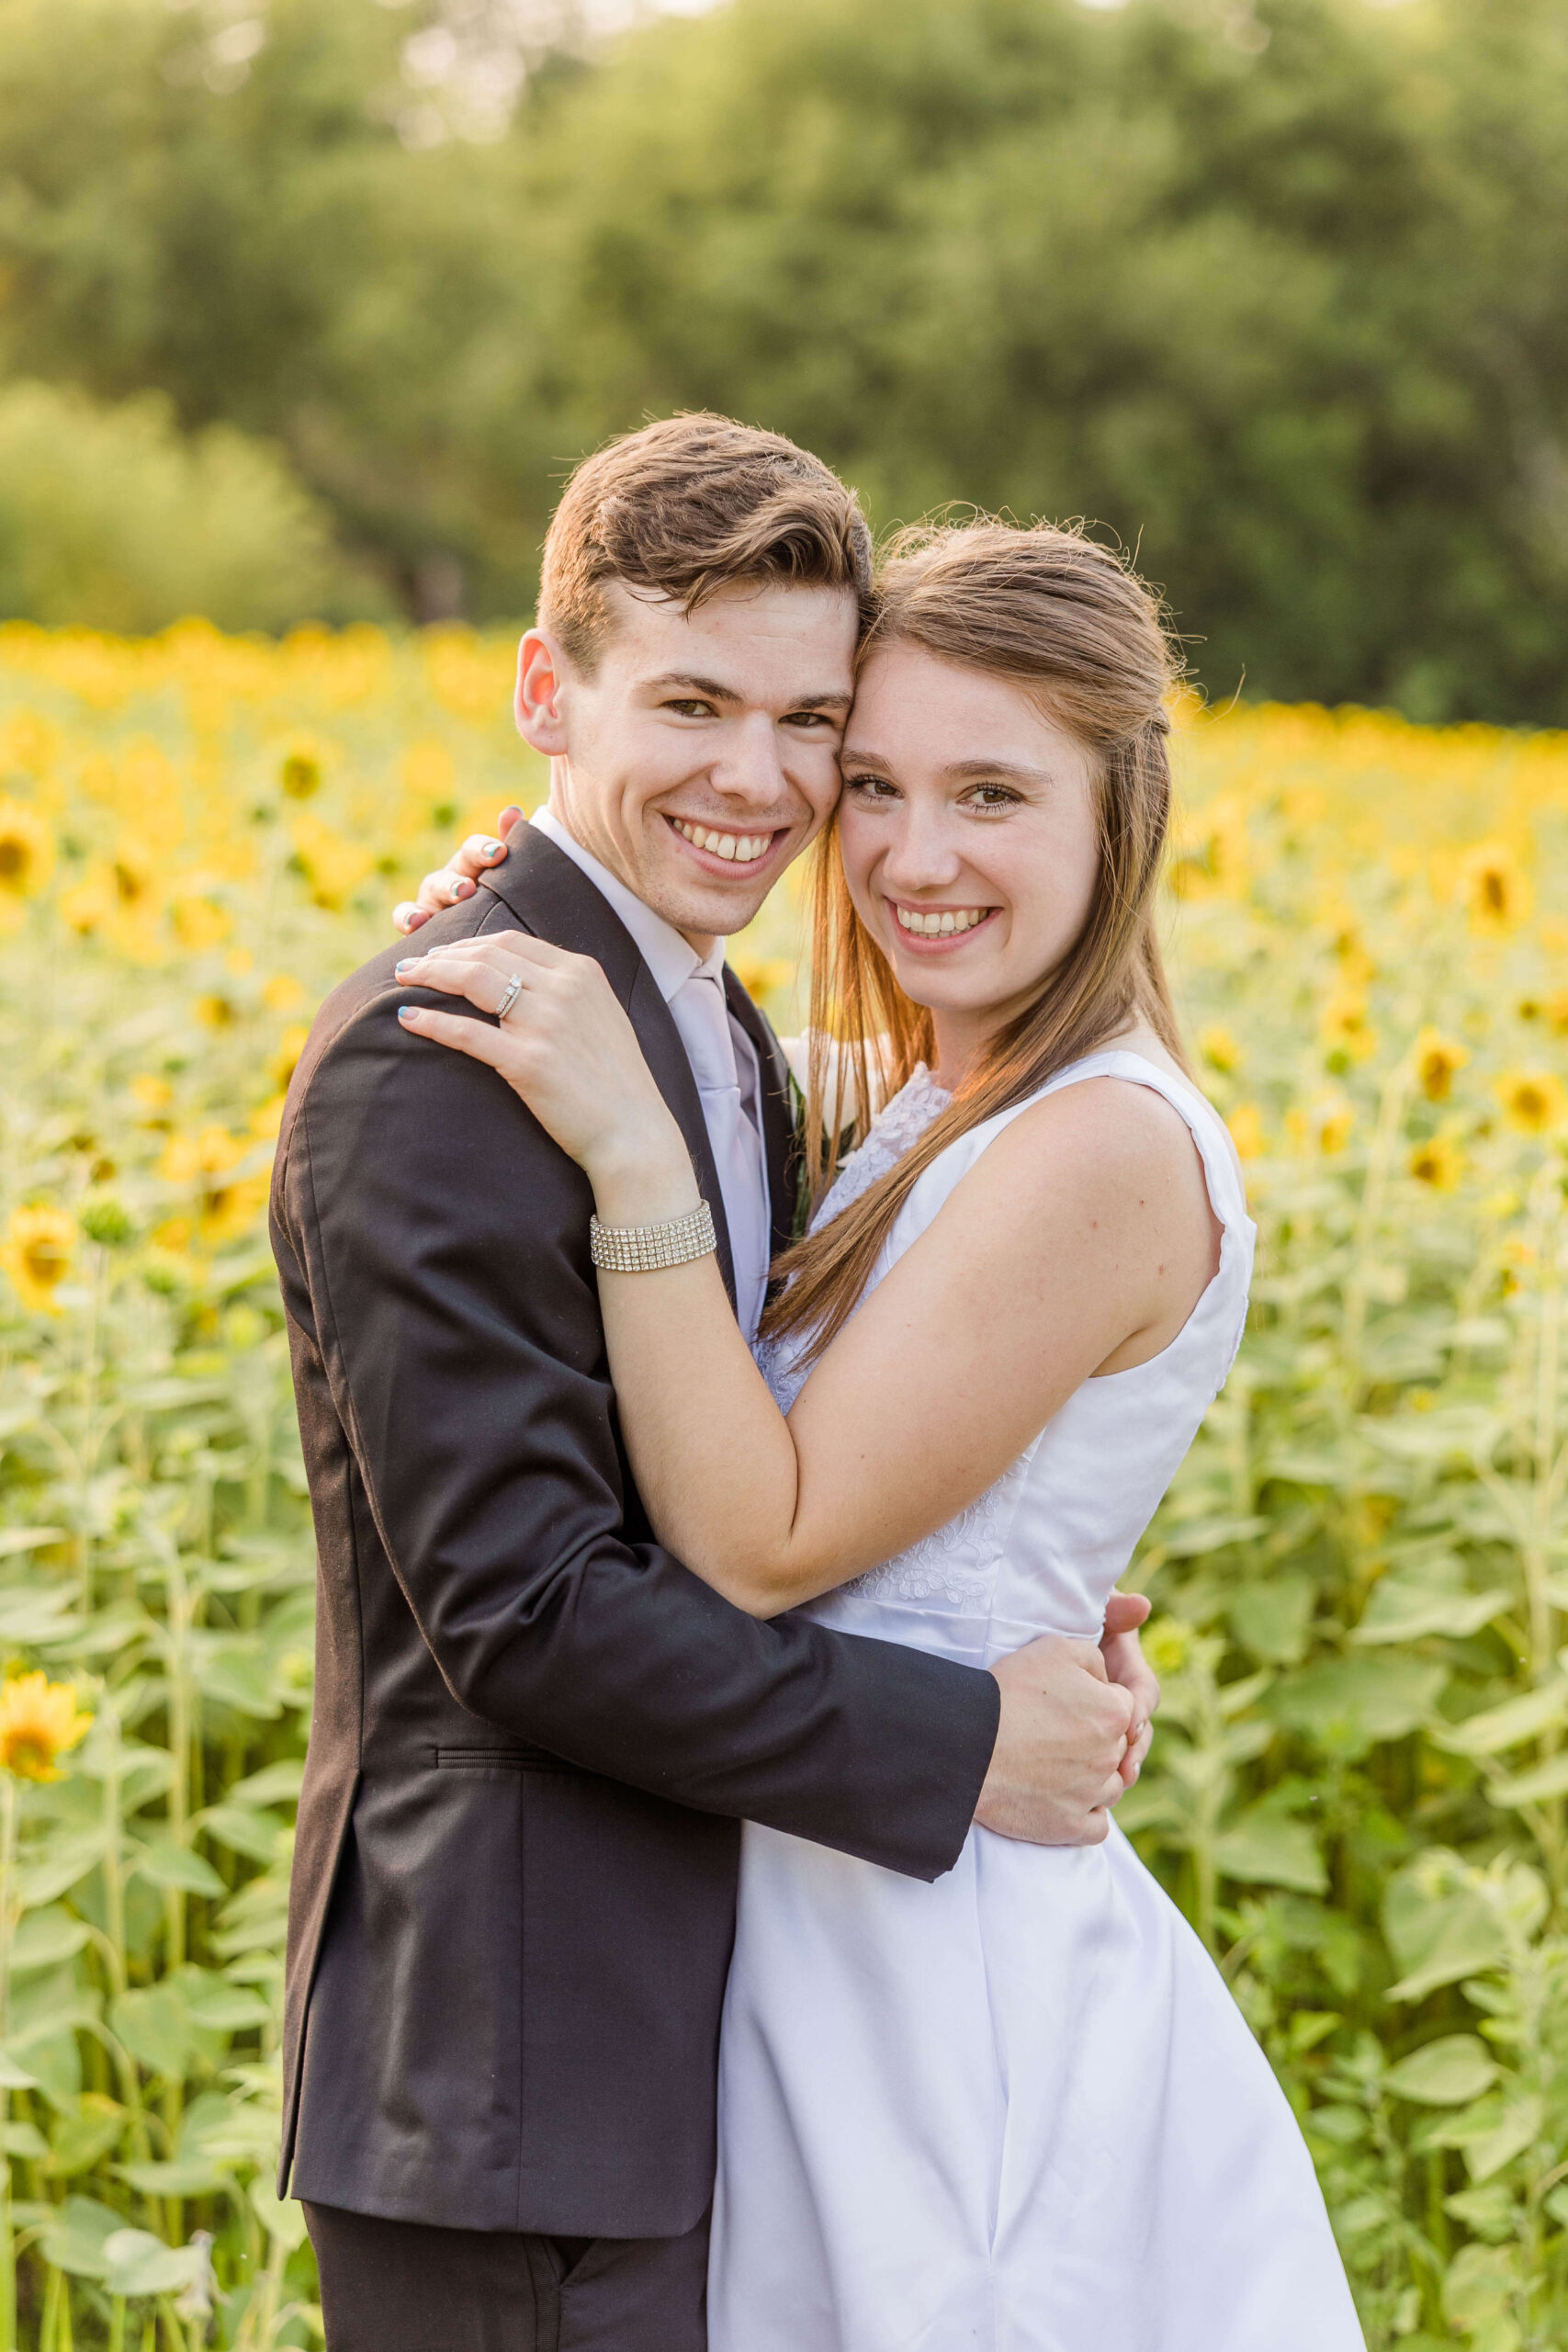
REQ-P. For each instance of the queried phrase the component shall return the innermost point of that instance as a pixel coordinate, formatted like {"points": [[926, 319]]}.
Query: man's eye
{"points": [[689, 709], [804, 719]]}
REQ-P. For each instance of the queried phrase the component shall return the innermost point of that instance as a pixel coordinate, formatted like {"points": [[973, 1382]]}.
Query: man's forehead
{"points": [[744, 643]]}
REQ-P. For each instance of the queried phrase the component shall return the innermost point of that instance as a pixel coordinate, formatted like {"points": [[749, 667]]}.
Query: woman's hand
{"points": [[459, 878], [564, 1044]]}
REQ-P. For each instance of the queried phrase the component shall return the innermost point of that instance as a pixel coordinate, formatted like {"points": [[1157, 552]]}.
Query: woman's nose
{"points": [[919, 857]]}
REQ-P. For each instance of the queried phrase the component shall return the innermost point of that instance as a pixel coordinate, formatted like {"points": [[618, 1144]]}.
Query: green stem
{"points": [[7, 1924]]}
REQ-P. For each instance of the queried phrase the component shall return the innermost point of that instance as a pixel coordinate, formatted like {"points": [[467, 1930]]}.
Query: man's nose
{"points": [[749, 769]]}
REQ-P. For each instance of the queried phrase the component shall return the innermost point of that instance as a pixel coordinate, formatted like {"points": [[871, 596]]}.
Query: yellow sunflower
{"points": [[1438, 1162], [37, 1254], [39, 1721], [1534, 1101], [27, 850], [1437, 1059], [1493, 888]]}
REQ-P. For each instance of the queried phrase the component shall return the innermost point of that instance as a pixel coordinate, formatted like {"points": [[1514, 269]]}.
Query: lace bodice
{"points": [[1041, 1548]]}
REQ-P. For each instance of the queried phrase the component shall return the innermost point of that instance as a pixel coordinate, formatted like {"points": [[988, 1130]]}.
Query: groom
{"points": [[535, 1733]]}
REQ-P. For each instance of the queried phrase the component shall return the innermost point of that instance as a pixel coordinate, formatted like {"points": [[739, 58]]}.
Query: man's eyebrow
{"points": [[708, 688], [711, 690]]}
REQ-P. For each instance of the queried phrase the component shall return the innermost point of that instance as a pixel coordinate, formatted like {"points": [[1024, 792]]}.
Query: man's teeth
{"points": [[933, 926], [744, 849]]}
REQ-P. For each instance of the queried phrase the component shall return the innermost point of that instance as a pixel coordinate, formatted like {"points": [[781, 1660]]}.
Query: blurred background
{"points": [[309, 306], [307, 309]]}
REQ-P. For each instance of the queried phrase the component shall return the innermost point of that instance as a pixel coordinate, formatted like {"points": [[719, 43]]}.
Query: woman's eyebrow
{"points": [[1016, 771]]}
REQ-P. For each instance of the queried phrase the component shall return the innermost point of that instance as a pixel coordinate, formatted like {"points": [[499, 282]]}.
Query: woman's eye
{"points": [[992, 796], [872, 788]]}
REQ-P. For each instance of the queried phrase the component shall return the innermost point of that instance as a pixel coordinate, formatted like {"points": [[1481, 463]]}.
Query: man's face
{"points": [[703, 755]]}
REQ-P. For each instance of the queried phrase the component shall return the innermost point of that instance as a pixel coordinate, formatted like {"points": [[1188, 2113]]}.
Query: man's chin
{"points": [[715, 910]]}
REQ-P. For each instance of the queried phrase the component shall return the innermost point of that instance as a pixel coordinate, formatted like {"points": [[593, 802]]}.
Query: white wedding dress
{"points": [[1017, 2110]]}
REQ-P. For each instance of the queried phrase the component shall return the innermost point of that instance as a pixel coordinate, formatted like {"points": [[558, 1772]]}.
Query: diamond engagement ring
{"points": [[513, 991]]}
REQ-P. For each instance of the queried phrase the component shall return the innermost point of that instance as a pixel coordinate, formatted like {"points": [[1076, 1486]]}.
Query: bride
{"points": [[1016, 2110]]}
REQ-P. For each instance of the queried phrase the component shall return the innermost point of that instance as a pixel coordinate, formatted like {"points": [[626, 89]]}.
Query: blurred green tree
{"points": [[111, 519], [1273, 289]]}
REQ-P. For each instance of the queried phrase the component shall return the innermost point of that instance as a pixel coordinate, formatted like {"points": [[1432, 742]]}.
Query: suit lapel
{"points": [[780, 1147], [550, 896]]}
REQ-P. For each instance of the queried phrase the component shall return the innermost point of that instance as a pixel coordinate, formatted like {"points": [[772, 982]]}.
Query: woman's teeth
{"points": [[742, 849], [933, 926]]}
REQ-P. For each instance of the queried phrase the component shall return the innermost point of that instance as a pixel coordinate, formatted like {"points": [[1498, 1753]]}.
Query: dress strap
{"points": [[1221, 1168]]}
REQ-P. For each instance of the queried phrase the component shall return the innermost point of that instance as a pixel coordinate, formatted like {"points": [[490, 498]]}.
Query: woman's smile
{"points": [[938, 930]]}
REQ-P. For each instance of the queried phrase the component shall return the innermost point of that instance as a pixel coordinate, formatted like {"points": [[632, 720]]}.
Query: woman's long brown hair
{"points": [[1051, 611]]}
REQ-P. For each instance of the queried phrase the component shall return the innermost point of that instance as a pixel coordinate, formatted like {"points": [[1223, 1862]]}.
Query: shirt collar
{"points": [[672, 959]]}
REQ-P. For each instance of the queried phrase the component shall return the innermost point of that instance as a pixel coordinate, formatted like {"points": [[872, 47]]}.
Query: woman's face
{"points": [[970, 836]]}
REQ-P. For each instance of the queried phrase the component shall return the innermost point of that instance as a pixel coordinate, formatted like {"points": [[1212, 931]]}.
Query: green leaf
{"points": [[14, 2077], [24, 1539], [1548, 1780], [185, 2178], [1438, 1927], [1510, 1725], [136, 2263], [1407, 1608], [1520, 2124], [280, 2218], [228, 2008], [1446, 2073], [273, 1784], [238, 1678], [1491, 2212], [1200, 1536], [156, 2027], [44, 1938], [1272, 1617], [82, 2139], [258, 1836], [74, 2240], [1263, 1850], [170, 1865], [1352, 1703], [25, 2140], [72, 1858]]}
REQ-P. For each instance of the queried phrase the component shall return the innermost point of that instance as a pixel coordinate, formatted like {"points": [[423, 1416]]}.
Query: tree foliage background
{"points": [[1274, 289]]}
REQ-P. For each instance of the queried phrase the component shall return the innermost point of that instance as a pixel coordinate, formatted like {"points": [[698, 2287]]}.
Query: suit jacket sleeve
{"points": [[435, 1240]]}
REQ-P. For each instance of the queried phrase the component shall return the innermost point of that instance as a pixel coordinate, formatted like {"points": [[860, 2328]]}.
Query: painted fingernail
{"points": [[406, 965], [492, 849], [407, 1012], [465, 889], [417, 919]]}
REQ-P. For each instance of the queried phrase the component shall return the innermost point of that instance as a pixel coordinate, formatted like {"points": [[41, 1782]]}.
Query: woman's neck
{"points": [[961, 1038]]}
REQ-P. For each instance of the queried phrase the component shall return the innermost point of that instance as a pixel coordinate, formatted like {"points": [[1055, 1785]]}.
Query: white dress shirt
{"points": [[723, 1059]]}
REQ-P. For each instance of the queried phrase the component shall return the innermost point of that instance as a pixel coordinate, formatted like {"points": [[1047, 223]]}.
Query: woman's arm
{"points": [[1083, 1229]]}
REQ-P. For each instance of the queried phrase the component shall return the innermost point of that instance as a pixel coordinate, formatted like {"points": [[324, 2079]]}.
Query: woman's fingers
{"points": [[475, 1038], [506, 949], [490, 982]]}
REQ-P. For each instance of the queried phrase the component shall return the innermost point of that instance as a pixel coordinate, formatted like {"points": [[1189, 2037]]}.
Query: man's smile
{"points": [[722, 849]]}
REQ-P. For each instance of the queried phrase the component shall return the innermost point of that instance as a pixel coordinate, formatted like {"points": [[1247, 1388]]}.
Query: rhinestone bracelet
{"points": [[642, 1249]]}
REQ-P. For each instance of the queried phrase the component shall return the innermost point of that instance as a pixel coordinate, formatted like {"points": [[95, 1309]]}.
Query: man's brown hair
{"points": [[687, 507]]}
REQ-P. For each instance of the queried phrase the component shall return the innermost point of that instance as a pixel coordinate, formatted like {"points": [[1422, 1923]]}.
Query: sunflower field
{"points": [[1357, 1791]]}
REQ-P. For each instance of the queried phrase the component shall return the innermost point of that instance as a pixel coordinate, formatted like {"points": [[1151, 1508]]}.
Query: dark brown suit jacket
{"points": [[535, 1732]]}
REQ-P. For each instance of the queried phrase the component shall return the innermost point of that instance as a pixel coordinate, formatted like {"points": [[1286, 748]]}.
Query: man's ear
{"points": [[538, 705]]}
